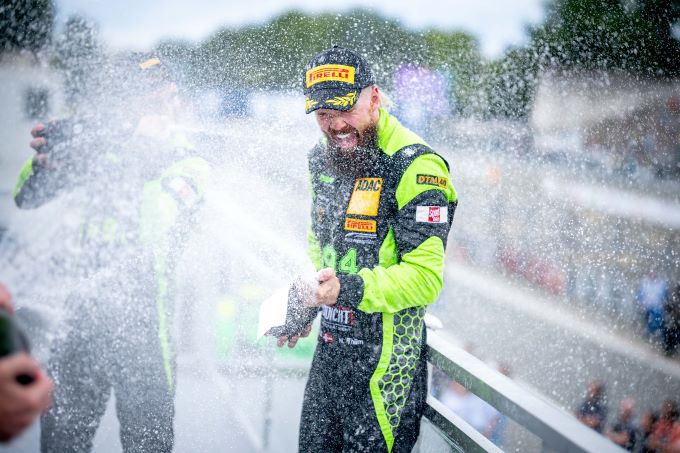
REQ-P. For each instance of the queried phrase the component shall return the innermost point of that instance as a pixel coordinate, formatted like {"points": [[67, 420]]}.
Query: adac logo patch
{"points": [[432, 214], [430, 180], [365, 197], [328, 73], [362, 226]]}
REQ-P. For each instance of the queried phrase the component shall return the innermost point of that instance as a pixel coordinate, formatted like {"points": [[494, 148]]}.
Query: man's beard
{"points": [[357, 160]]}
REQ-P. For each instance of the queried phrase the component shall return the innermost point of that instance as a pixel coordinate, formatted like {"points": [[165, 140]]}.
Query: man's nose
{"points": [[337, 123]]}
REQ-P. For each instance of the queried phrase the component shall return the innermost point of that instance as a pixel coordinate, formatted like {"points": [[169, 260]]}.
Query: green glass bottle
{"points": [[13, 340]]}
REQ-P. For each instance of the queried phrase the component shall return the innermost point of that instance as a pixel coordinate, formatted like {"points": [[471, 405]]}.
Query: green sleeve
{"points": [[24, 175], [411, 268], [415, 281], [168, 203], [313, 249], [35, 186]]}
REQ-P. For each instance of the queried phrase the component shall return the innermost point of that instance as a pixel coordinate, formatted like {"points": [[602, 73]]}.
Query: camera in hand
{"points": [[13, 340], [62, 137]]}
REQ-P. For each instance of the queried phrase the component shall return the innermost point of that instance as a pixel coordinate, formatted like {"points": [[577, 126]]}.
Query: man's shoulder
{"points": [[418, 169], [402, 147], [394, 136], [315, 150], [416, 155], [314, 157]]}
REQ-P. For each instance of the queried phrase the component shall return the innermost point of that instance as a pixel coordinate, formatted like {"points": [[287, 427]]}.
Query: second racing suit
{"points": [[116, 334]]}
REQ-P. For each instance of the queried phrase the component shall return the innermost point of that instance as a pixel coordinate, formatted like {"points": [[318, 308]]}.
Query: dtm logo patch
{"points": [[438, 181], [362, 226], [182, 191], [365, 197], [432, 214]]}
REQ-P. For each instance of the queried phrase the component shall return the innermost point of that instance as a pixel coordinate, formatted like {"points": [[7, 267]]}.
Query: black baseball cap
{"points": [[141, 73], [334, 78], [152, 71]]}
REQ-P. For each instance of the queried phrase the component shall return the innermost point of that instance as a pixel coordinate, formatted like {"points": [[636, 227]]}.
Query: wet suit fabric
{"points": [[116, 332], [383, 228]]}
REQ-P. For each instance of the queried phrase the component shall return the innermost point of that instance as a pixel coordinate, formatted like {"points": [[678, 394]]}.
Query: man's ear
{"points": [[375, 97]]}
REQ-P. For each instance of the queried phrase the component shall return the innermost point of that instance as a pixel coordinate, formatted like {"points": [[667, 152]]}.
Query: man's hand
{"points": [[292, 341], [5, 299], [21, 404], [39, 143], [328, 290], [326, 294]]}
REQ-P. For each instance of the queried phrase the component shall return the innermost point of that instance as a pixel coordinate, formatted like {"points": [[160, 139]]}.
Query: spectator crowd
{"points": [[652, 430]]}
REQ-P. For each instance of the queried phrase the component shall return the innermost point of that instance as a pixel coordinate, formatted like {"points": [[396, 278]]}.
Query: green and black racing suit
{"points": [[384, 231], [116, 333]]}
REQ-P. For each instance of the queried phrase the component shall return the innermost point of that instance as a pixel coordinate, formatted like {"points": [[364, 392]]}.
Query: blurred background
{"points": [[560, 120]]}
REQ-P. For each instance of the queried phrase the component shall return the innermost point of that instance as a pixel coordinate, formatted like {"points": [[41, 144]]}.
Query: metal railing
{"points": [[553, 428], [557, 430]]}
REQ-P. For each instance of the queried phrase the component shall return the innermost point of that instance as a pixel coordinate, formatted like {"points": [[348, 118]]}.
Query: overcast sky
{"points": [[138, 24]]}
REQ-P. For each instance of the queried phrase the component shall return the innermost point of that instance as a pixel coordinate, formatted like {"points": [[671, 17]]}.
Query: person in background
{"points": [[144, 185], [651, 297], [593, 411], [20, 404], [671, 322], [624, 432], [659, 439], [648, 421]]}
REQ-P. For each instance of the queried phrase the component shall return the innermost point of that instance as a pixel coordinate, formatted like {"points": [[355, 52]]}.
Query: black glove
{"points": [[298, 316]]}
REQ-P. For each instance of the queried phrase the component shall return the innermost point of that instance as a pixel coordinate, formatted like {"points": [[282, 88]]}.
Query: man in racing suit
{"points": [[142, 191], [382, 208]]}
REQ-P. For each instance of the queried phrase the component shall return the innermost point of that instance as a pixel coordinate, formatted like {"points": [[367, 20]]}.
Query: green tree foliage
{"points": [[457, 54], [635, 36], [631, 35], [25, 24], [78, 53], [273, 55]]}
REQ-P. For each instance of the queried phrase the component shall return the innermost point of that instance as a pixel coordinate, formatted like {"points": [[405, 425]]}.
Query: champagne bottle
{"points": [[13, 340]]}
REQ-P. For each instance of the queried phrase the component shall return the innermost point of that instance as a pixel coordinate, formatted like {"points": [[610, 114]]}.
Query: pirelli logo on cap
{"points": [[362, 226], [330, 73], [437, 181], [365, 197]]}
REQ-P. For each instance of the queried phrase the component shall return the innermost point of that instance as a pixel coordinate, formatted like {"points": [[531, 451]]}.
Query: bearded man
{"points": [[382, 209]]}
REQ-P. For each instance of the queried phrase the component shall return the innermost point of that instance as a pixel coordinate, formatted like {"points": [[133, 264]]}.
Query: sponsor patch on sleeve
{"points": [[430, 180], [183, 191], [432, 214]]}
